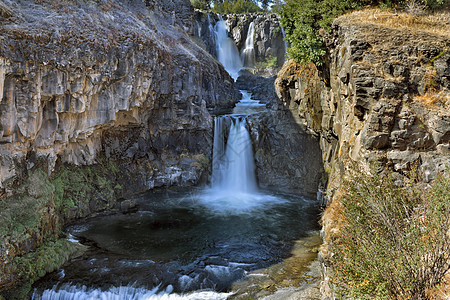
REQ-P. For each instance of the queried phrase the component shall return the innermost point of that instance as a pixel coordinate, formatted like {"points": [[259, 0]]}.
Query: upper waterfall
{"points": [[248, 53], [227, 52]]}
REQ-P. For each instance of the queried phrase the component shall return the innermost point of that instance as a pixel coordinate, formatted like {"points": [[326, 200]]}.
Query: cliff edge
{"points": [[383, 95]]}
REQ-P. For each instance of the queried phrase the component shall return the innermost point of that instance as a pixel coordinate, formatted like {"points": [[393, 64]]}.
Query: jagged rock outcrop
{"points": [[82, 83], [287, 158], [383, 95]]}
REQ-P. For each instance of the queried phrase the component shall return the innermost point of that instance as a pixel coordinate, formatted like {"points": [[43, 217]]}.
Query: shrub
{"points": [[235, 7], [302, 20], [200, 4], [270, 62], [394, 241]]}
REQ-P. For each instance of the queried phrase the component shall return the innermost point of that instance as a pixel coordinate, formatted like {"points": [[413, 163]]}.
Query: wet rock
{"points": [[128, 206]]}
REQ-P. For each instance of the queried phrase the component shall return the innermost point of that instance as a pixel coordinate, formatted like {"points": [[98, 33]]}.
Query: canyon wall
{"points": [[97, 100], [382, 95], [287, 155]]}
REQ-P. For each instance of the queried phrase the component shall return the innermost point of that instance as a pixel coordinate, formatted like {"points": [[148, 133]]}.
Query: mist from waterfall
{"points": [[234, 188], [227, 52], [233, 165], [248, 53]]}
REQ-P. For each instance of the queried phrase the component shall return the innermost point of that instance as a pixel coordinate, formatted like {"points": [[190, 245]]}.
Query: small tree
{"points": [[395, 240], [201, 4]]}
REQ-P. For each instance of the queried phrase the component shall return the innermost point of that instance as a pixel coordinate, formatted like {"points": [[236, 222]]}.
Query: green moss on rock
{"points": [[47, 258]]}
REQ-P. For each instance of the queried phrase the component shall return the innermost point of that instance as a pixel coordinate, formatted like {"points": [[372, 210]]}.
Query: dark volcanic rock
{"points": [[85, 86]]}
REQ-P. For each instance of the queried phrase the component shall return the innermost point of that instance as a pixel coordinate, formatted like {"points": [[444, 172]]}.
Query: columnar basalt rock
{"points": [[87, 82], [382, 96]]}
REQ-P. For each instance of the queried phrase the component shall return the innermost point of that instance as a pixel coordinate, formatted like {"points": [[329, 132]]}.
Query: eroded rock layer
{"points": [[109, 84], [383, 95]]}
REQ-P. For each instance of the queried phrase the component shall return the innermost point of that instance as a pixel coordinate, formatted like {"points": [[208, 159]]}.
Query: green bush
{"points": [[302, 20], [200, 4], [235, 7], [394, 241], [270, 62]]}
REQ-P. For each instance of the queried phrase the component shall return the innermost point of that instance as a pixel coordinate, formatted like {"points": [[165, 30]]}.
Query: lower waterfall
{"points": [[233, 187], [234, 169]]}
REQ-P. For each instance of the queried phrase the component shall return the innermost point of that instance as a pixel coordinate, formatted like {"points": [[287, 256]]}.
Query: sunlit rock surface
{"points": [[82, 83], [382, 95]]}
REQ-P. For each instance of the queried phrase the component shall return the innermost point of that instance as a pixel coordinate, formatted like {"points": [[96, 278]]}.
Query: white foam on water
{"points": [[73, 292]]}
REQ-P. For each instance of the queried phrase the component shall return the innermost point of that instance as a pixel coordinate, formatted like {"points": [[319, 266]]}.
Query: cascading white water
{"points": [[212, 33], [73, 292], [233, 187], [227, 52], [248, 53], [236, 170], [284, 38], [199, 29], [218, 150]]}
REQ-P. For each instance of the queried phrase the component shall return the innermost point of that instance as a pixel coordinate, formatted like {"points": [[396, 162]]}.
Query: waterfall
{"points": [[199, 29], [212, 33], [248, 53], [234, 168], [218, 149], [227, 52], [233, 187], [284, 38]]}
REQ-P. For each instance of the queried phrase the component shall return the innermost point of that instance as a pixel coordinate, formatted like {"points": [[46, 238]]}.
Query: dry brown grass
{"points": [[437, 23], [442, 291], [434, 100]]}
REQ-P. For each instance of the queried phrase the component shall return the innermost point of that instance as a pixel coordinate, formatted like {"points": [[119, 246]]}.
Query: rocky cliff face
{"points": [[382, 96], [287, 156], [82, 83]]}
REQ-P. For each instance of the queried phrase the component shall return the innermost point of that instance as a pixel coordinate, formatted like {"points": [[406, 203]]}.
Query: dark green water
{"points": [[179, 242]]}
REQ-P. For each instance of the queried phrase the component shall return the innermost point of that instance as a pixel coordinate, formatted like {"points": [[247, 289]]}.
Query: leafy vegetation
{"points": [[235, 7], [302, 20], [47, 258], [393, 242], [232, 6], [270, 62]]}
